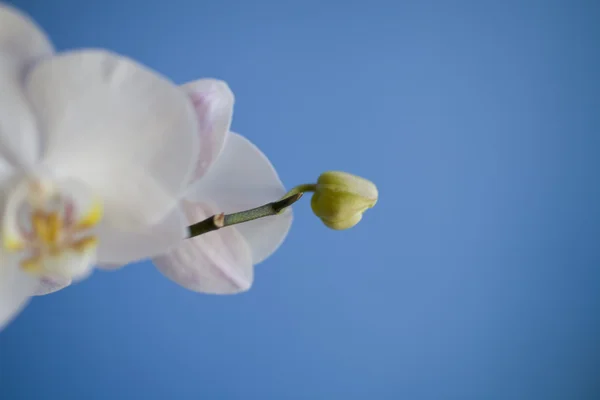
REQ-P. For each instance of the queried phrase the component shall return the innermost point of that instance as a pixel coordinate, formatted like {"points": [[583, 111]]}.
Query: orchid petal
{"points": [[70, 265], [213, 103], [16, 287], [22, 43], [243, 178], [51, 285], [218, 262], [21, 37], [126, 132], [117, 248], [110, 266]]}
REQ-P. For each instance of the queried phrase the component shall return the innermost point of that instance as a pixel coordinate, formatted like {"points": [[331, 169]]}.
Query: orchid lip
{"points": [[44, 224]]}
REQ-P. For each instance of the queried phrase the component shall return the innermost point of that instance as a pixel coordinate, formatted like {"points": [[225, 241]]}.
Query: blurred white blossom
{"points": [[96, 153]]}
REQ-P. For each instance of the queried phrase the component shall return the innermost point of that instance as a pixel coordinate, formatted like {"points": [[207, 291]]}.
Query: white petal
{"points": [[16, 288], [126, 210], [117, 248], [213, 103], [126, 132], [243, 178], [110, 266], [21, 45], [70, 265], [218, 262], [21, 37], [51, 285]]}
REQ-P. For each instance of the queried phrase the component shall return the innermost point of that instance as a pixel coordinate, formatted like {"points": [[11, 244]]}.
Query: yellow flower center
{"points": [[47, 227]]}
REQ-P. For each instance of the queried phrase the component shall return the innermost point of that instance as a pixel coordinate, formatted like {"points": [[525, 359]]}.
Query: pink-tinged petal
{"points": [[213, 103], [50, 285], [243, 178], [218, 262]]}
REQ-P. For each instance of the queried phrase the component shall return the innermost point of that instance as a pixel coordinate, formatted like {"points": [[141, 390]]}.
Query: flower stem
{"points": [[219, 221], [222, 220], [305, 187]]}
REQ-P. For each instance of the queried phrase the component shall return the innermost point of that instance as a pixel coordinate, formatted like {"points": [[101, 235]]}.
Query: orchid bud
{"points": [[340, 199]]}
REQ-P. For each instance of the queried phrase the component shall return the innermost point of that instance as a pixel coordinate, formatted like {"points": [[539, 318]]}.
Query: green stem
{"points": [[305, 187], [222, 220]]}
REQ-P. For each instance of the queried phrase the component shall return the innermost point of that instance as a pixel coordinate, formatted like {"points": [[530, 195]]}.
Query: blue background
{"points": [[477, 275]]}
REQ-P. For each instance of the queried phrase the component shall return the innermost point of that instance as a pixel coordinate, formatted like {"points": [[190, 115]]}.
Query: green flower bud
{"points": [[340, 199]]}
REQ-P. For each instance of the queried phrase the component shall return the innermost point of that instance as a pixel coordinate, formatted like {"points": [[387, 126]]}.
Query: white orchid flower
{"points": [[231, 175], [96, 153]]}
